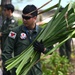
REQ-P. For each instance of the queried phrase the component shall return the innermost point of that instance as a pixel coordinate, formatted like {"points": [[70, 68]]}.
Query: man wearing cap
{"points": [[21, 37]]}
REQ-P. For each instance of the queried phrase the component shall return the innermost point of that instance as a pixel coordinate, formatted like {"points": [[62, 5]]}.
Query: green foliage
{"points": [[43, 25], [20, 22], [55, 65]]}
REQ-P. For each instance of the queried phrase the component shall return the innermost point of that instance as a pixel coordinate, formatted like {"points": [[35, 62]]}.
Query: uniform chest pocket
{"points": [[24, 41], [11, 26]]}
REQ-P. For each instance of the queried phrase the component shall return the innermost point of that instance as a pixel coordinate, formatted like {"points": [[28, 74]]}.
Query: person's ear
{"points": [[35, 17]]}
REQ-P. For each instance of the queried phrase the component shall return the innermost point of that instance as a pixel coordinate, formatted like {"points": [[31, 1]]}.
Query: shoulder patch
{"points": [[12, 34], [23, 36], [12, 21]]}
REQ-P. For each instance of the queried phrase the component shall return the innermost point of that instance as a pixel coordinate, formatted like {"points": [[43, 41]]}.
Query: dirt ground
{"points": [[73, 58], [72, 72]]}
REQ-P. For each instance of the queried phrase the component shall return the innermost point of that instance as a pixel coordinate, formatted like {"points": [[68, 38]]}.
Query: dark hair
{"points": [[9, 7], [30, 8]]}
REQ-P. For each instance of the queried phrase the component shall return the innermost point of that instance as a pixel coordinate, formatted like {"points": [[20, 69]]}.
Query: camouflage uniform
{"points": [[19, 41], [7, 25]]}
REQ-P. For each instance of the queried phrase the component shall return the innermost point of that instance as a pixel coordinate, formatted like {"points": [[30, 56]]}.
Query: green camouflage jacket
{"points": [[7, 25], [18, 41]]}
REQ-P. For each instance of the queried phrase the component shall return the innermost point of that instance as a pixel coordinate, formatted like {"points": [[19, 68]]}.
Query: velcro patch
{"points": [[12, 21], [23, 36], [12, 34]]}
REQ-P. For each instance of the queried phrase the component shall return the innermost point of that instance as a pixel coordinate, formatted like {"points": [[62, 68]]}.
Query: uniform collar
{"points": [[9, 18], [35, 30]]}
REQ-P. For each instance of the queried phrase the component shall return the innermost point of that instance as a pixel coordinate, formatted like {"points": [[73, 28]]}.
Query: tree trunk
{"points": [[5, 2]]}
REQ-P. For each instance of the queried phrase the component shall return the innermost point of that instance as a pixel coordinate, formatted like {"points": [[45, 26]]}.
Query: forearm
{"points": [[8, 49]]}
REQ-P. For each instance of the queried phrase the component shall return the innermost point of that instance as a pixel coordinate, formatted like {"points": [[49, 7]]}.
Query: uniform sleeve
{"points": [[2, 28], [9, 47]]}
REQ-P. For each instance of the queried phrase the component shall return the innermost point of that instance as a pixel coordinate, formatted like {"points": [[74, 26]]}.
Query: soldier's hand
{"points": [[39, 46]]}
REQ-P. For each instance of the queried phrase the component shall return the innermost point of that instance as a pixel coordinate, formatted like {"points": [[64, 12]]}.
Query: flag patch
{"points": [[12, 34], [23, 36]]}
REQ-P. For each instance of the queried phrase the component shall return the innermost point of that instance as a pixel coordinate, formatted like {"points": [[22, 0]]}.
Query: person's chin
{"points": [[26, 25]]}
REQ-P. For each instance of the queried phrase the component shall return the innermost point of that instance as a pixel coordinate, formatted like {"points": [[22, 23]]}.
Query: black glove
{"points": [[38, 46]]}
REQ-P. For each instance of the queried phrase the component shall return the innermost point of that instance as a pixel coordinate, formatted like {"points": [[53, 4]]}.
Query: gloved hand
{"points": [[38, 46]]}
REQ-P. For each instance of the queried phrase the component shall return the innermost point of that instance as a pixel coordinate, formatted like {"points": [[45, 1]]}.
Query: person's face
{"points": [[6, 12], [28, 20]]}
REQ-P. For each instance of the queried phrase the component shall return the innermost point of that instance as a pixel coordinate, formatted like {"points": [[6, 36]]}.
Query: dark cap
{"points": [[9, 7], [32, 9]]}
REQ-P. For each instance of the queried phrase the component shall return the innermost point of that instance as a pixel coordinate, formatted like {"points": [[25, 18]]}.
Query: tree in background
{"points": [[5, 2]]}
